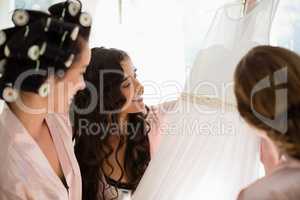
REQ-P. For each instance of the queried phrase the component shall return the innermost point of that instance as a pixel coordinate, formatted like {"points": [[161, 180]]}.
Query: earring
{"points": [[60, 73], [20, 17], [70, 60], [85, 20], [2, 38], [10, 94], [44, 90]]}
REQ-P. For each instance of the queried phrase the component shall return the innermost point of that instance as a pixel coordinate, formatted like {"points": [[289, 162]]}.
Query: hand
{"points": [[249, 5]]}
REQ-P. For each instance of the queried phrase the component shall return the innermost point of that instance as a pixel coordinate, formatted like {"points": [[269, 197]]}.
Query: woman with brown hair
{"points": [[267, 88]]}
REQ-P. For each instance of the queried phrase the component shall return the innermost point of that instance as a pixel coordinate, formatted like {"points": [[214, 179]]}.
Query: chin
{"points": [[137, 108]]}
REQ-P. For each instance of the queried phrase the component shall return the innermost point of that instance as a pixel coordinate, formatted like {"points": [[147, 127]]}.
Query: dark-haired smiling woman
{"points": [[42, 61], [116, 138]]}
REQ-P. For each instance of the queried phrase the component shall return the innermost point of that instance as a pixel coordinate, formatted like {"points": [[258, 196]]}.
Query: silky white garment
{"points": [[207, 151], [25, 172], [201, 156]]}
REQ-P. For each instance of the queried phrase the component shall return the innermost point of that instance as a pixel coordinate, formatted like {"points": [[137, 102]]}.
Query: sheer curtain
{"points": [[207, 151]]}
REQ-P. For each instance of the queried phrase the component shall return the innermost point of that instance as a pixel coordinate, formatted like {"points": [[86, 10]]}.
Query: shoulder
{"points": [[241, 195], [282, 184], [13, 178]]}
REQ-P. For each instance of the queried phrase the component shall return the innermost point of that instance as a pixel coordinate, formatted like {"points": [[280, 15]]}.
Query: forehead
{"points": [[128, 67]]}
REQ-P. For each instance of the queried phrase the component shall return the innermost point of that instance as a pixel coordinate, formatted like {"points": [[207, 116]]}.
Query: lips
{"points": [[138, 99]]}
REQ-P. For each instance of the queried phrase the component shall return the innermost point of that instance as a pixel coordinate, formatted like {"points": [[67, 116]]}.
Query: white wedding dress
{"points": [[207, 152]]}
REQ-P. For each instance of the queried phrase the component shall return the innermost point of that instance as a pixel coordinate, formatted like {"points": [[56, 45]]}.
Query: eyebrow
{"points": [[135, 70]]}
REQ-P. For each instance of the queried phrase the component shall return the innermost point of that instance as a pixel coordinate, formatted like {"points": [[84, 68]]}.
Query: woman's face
{"points": [[132, 89], [72, 81]]}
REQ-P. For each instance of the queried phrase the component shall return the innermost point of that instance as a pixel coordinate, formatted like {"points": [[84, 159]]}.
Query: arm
{"points": [[156, 120]]}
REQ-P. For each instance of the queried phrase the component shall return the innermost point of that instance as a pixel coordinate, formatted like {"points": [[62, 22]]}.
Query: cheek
{"points": [[128, 93]]}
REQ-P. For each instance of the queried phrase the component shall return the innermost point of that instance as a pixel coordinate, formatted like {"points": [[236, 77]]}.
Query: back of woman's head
{"points": [[267, 88]]}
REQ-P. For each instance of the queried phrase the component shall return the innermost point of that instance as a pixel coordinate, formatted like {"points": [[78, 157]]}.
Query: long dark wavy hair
{"points": [[93, 149]]}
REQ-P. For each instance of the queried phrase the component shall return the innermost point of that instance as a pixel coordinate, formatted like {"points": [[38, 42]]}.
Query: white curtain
{"points": [[207, 151]]}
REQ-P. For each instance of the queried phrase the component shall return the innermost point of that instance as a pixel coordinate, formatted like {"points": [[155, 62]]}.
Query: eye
{"points": [[126, 85]]}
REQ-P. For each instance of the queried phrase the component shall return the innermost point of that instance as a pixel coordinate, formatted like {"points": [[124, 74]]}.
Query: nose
{"points": [[139, 88]]}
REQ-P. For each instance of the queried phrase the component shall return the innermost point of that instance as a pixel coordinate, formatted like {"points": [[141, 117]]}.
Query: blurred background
{"points": [[162, 36]]}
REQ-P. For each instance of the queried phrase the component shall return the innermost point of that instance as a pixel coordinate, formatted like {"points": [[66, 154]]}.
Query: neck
{"points": [[26, 109], [123, 119]]}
